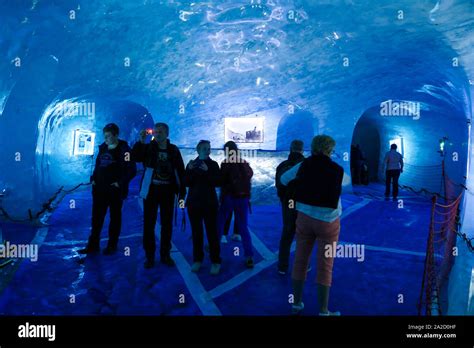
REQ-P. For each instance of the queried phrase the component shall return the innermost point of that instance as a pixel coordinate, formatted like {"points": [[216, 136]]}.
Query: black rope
{"points": [[47, 206]]}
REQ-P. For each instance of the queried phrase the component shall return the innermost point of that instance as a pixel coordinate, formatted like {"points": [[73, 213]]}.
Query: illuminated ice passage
{"points": [[290, 70]]}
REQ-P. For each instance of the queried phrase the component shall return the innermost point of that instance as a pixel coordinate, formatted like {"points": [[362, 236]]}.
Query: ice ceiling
{"points": [[239, 57]]}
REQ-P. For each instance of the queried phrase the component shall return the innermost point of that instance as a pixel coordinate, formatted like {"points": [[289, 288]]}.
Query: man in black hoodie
{"points": [[110, 179], [162, 181], [286, 195]]}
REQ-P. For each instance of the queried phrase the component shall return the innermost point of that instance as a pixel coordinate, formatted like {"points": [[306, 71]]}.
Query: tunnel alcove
{"points": [[59, 160], [367, 137], [297, 125], [418, 137]]}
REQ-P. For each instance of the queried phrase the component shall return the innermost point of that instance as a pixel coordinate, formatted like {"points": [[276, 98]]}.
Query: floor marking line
{"points": [[192, 281], [391, 250], [74, 242], [269, 260], [241, 278], [262, 249], [355, 207]]}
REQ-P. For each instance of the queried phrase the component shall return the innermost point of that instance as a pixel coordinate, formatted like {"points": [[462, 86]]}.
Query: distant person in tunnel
{"points": [[202, 177], [235, 190], [393, 164], [110, 179], [162, 181], [286, 195], [318, 187], [357, 164]]}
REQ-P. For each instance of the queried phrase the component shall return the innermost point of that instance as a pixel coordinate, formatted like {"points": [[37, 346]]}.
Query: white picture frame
{"points": [[83, 144], [244, 129]]}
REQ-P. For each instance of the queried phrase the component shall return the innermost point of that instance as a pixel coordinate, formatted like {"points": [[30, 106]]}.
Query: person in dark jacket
{"points": [[162, 182], [112, 174], [357, 164], [202, 176], [318, 187], [235, 190], [286, 195]]}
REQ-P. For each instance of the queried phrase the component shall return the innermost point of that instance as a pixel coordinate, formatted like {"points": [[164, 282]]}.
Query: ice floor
{"points": [[394, 240]]}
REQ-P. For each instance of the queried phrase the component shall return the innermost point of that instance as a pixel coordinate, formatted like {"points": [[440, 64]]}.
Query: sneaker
{"points": [[215, 268], [149, 263], [88, 250], [224, 240], [329, 314], [196, 267], [236, 237], [249, 263], [297, 309], [168, 261], [109, 251]]}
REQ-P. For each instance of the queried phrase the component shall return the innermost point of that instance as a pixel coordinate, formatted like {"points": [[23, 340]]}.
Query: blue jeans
{"points": [[240, 207]]}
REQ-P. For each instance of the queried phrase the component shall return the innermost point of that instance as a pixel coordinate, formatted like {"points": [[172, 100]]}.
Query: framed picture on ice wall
{"points": [[244, 129], [83, 143]]}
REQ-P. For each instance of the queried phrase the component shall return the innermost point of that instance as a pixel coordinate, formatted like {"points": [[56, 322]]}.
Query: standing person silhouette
{"points": [[236, 177], [393, 165], [286, 194], [112, 174], [318, 182], [202, 177], [162, 181]]}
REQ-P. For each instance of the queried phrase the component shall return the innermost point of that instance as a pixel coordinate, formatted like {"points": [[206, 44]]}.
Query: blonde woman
{"points": [[318, 204]]}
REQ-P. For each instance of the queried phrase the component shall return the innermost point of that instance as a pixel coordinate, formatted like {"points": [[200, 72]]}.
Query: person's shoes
{"points": [[215, 269], [309, 269], [109, 251], [149, 263], [394, 199], [168, 261], [297, 308], [236, 237], [88, 250], [387, 198], [196, 267], [281, 272], [329, 314], [224, 240], [249, 263]]}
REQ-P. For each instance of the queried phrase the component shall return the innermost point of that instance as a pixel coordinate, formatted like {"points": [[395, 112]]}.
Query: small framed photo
{"points": [[83, 143], [244, 129]]}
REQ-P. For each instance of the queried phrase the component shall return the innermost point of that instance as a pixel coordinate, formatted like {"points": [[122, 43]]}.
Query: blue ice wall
{"points": [[308, 67]]}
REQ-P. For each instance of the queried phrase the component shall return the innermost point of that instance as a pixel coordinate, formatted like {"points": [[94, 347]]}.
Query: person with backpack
{"points": [[112, 174], [202, 177], [286, 195], [162, 182], [235, 195]]}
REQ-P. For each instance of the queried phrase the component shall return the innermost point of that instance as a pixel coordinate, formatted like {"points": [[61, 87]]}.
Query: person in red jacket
{"points": [[235, 195]]}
